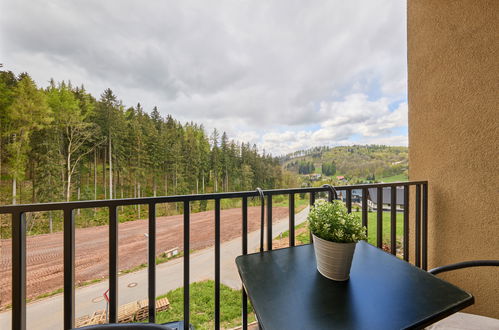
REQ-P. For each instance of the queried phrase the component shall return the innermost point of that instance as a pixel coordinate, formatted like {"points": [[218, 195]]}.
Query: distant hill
{"points": [[366, 162]]}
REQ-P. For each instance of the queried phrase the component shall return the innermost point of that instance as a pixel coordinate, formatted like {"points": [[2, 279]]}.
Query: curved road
{"points": [[48, 313]]}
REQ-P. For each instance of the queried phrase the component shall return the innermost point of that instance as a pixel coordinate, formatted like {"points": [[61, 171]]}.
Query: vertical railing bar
{"points": [[349, 200], [152, 263], [113, 264], [291, 219], [18, 271], [312, 203], [418, 226], [379, 222], [245, 251], [393, 220], [245, 225], [262, 217], [406, 223], [269, 222], [217, 263], [330, 196], [186, 264], [364, 208], [424, 229], [69, 269]]}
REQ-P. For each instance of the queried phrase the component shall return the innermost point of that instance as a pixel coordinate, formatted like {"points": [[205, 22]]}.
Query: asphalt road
{"points": [[48, 313]]}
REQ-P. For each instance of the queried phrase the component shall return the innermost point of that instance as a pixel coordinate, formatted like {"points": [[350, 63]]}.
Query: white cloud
{"points": [[265, 67], [356, 116]]}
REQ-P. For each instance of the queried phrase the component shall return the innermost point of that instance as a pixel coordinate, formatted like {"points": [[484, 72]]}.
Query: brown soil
{"points": [[45, 252]]}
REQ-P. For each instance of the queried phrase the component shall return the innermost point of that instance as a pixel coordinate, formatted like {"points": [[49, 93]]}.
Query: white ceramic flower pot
{"points": [[333, 259]]}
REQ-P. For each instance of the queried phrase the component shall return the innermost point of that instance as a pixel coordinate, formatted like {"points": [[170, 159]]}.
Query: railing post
{"points": [[364, 208], [406, 223], [217, 264], [269, 222], [418, 226], [393, 220], [113, 264], [348, 192], [186, 265], [262, 216], [151, 263], [312, 203], [18, 271], [291, 219], [379, 224], [245, 251], [424, 229], [69, 269]]}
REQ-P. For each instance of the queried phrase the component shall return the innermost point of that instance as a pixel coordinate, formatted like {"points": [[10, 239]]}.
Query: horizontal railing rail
{"points": [[19, 232]]}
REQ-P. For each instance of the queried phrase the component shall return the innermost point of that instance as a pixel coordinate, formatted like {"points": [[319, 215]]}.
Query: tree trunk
{"points": [[135, 192], [138, 191], [78, 196], [69, 175], [104, 173], [14, 190], [203, 183], [33, 192], [154, 186], [95, 174], [175, 181], [50, 222], [110, 170], [166, 184]]}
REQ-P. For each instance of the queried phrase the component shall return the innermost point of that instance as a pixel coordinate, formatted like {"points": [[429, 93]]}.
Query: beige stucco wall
{"points": [[453, 69]]}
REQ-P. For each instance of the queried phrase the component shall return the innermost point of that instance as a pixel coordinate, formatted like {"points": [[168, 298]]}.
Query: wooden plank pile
{"points": [[135, 311]]}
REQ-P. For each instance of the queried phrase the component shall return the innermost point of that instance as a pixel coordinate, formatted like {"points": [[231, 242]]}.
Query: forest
{"points": [[60, 143]]}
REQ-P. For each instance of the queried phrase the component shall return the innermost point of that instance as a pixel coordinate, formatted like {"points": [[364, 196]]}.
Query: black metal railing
{"points": [[19, 238]]}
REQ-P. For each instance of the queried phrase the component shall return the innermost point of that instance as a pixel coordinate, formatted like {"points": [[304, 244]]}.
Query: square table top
{"points": [[383, 292]]}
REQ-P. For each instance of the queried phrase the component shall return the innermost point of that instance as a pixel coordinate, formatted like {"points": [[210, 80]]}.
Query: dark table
{"points": [[384, 292]]}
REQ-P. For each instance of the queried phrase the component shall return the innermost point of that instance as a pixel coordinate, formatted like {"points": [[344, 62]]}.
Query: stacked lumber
{"points": [[143, 308]]}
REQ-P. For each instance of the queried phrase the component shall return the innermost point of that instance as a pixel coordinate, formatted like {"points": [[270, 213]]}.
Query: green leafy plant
{"points": [[332, 222]]}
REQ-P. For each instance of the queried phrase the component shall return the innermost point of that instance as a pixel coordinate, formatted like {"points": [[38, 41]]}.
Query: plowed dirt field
{"points": [[45, 252]]}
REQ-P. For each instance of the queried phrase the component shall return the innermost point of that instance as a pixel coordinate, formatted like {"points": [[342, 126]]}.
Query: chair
{"points": [[465, 321]]}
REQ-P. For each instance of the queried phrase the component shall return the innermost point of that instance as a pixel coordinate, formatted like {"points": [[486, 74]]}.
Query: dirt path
{"points": [[45, 252]]}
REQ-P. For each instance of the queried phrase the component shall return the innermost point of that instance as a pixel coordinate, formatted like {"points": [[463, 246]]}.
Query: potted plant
{"points": [[335, 233]]}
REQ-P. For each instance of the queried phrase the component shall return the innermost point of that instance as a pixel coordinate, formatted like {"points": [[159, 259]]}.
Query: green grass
{"points": [[395, 178], [203, 305], [304, 238], [283, 201]]}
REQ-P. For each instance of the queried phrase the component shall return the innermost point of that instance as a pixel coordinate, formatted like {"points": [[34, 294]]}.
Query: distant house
{"points": [[341, 178], [356, 195], [315, 177], [372, 198]]}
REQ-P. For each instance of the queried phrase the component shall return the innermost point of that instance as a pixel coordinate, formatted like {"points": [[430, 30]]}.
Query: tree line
{"points": [[60, 143]]}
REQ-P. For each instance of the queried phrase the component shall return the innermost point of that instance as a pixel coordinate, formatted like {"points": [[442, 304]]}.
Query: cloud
{"points": [[369, 122], [242, 66]]}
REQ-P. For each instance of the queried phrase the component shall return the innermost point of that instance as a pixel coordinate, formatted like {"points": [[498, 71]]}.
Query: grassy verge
{"points": [[203, 306], [162, 258], [395, 178], [283, 201], [304, 238]]}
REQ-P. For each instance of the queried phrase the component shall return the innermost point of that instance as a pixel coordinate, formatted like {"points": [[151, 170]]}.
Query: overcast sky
{"points": [[286, 75]]}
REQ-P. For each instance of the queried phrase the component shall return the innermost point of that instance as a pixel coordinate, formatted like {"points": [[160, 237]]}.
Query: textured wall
{"points": [[453, 68]]}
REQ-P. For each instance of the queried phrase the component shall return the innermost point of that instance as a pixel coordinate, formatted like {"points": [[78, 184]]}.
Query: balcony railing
{"points": [[19, 232]]}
